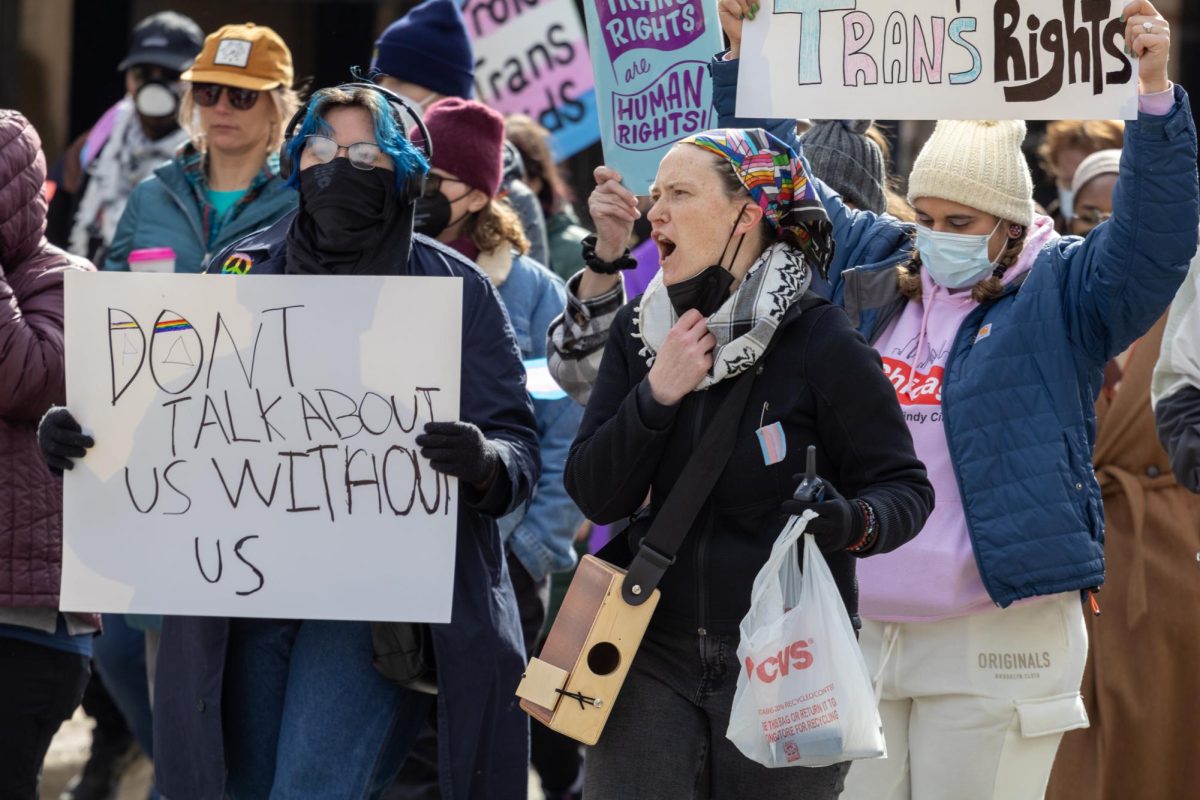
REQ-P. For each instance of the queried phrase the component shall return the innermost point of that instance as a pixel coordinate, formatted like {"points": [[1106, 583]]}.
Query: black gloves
{"points": [[460, 449], [839, 523], [61, 439]]}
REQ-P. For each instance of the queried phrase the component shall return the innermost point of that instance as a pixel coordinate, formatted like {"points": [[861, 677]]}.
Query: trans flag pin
{"points": [[772, 440]]}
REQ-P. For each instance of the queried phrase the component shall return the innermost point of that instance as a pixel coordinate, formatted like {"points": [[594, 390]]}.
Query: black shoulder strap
{"points": [[673, 521]]}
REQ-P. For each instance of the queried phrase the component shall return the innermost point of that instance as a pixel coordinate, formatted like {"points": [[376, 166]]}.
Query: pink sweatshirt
{"points": [[934, 576]]}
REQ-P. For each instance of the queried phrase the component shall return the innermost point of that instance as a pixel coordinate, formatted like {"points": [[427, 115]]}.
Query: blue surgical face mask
{"points": [[1066, 203], [955, 260]]}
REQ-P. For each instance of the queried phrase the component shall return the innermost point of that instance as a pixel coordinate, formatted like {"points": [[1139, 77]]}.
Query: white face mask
{"points": [[1066, 203], [956, 260]]}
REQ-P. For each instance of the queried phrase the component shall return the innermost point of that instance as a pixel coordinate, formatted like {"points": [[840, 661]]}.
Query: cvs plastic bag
{"points": [[804, 695]]}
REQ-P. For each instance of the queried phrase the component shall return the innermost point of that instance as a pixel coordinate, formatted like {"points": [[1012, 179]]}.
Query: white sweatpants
{"points": [[974, 707]]}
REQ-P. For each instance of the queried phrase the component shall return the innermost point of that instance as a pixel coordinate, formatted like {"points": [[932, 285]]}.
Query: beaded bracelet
{"points": [[595, 264], [871, 532]]}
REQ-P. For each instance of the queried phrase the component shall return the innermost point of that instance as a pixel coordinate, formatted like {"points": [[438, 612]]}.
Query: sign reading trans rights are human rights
{"points": [[650, 59], [937, 59]]}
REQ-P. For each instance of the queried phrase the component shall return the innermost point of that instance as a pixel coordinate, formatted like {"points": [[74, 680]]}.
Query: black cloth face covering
{"points": [[351, 222], [708, 289]]}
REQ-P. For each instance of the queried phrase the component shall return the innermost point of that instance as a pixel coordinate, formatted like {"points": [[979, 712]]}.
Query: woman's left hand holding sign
{"points": [[1148, 38], [731, 14]]}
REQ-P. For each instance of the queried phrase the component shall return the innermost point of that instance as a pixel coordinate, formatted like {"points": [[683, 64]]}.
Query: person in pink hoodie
{"points": [[974, 630]]}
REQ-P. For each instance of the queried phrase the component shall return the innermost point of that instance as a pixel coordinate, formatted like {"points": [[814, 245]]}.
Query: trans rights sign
{"points": [[531, 58], [937, 59], [255, 451], [650, 58]]}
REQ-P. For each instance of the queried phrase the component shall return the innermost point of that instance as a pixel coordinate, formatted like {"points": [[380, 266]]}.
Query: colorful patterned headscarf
{"points": [[776, 180]]}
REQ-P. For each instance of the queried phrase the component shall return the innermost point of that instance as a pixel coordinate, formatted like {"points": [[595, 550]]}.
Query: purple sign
{"points": [[649, 24]]}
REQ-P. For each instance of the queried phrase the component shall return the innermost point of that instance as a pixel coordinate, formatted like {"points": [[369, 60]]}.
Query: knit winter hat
{"points": [[1103, 162], [978, 164], [468, 142], [429, 46], [840, 154]]}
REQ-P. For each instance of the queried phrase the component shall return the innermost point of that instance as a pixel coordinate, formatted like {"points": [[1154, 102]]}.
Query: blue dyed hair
{"points": [[407, 159]]}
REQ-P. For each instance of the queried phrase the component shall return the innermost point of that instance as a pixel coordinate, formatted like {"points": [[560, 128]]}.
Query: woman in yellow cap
{"points": [[224, 183]]}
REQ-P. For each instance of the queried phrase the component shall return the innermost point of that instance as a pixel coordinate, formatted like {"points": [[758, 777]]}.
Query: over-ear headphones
{"points": [[414, 187]]}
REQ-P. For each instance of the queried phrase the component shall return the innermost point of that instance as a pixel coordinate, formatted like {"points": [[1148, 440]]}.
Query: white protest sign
{"points": [[254, 445], [937, 59]]}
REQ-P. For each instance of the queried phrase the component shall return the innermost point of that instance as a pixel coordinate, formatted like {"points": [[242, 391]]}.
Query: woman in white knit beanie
{"points": [[975, 629]]}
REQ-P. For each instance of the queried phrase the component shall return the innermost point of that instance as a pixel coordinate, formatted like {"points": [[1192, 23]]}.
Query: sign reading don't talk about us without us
{"points": [[650, 58], [937, 59], [255, 450]]}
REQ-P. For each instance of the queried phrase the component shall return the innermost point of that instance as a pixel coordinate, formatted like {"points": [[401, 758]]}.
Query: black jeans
{"points": [[40, 687], [666, 737]]}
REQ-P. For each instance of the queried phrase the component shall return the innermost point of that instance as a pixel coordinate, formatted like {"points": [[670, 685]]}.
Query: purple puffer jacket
{"points": [[32, 375]]}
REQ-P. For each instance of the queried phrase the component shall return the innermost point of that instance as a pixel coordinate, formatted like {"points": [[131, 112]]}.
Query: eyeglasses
{"points": [[209, 94], [362, 155], [433, 183]]}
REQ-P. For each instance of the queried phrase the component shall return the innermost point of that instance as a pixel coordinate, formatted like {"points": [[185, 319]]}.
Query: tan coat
{"points": [[1142, 684]]}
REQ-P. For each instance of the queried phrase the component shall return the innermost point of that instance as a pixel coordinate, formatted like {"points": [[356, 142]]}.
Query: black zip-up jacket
{"points": [[825, 384]]}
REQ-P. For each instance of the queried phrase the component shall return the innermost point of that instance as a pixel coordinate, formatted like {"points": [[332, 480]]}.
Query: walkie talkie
{"points": [[812, 488]]}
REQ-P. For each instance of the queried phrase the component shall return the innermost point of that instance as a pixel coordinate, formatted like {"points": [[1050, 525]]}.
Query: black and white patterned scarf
{"points": [[744, 324]]}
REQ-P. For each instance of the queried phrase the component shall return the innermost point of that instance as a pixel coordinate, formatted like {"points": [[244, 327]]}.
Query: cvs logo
{"points": [[792, 657]]}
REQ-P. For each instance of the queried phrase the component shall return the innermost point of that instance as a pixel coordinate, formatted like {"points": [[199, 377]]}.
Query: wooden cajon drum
{"points": [[572, 686]]}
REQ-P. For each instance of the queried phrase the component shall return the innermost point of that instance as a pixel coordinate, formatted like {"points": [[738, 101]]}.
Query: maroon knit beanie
{"points": [[468, 142]]}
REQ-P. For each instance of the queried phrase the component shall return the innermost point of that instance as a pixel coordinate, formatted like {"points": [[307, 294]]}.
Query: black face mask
{"points": [[350, 222], [432, 215], [707, 290]]}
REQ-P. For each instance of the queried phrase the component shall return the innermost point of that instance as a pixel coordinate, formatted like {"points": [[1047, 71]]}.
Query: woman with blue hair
{"points": [[256, 708]]}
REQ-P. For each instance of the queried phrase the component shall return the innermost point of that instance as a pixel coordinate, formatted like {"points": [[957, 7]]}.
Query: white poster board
{"points": [[937, 59], [254, 445]]}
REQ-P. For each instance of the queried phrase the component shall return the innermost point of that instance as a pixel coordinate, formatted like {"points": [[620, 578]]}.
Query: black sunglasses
{"points": [[209, 94]]}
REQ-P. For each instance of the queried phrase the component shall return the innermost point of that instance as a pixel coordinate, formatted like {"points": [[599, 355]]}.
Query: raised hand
{"points": [[614, 210], [731, 14], [1148, 37]]}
